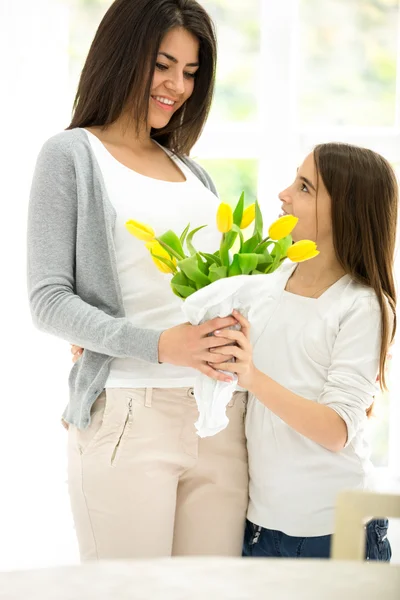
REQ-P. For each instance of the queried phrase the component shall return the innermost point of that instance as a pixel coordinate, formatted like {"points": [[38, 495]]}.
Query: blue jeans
{"points": [[260, 542]]}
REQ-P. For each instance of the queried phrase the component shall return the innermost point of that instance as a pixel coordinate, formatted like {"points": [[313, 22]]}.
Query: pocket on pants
{"points": [[122, 433], [86, 438], [111, 418]]}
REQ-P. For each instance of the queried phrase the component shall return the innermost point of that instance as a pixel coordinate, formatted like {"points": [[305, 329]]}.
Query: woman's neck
{"points": [[123, 131]]}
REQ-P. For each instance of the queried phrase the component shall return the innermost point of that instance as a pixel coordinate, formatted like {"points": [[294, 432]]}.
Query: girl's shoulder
{"points": [[356, 294], [359, 304]]}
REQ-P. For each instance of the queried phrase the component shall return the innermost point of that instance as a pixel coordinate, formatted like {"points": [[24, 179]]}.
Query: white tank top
{"points": [[147, 296]]}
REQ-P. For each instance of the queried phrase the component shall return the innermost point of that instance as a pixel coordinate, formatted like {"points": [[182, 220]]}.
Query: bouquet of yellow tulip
{"points": [[212, 285], [193, 270]]}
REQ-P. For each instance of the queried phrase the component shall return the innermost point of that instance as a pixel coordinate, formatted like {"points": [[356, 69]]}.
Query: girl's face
{"points": [[300, 200], [174, 75]]}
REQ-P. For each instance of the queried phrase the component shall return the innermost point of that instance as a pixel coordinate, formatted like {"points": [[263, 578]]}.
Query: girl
{"points": [[312, 375], [141, 482]]}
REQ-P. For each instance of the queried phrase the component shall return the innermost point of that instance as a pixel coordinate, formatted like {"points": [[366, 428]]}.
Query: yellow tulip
{"points": [[224, 218], [302, 250], [282, 227], [156, 248], [140, 230], [249, 214]]}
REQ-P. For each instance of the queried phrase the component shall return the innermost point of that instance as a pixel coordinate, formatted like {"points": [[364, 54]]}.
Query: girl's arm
{"points": [[334, 419]]}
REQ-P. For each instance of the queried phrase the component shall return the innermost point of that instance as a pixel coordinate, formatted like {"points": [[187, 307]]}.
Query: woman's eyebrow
{"points": [[175, 60]]}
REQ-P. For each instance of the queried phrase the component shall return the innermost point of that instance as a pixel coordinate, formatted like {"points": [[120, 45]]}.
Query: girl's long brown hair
{"points": [[364, 194], [118, 71]]}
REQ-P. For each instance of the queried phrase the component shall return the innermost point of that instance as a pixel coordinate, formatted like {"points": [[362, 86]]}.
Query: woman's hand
{"points": [[76, 352], [242, 352], [189, 346]]}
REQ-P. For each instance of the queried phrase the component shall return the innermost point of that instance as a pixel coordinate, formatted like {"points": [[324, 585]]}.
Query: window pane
{"points": [[85, 17], [232, 177], [347, 71], [238, 31]]}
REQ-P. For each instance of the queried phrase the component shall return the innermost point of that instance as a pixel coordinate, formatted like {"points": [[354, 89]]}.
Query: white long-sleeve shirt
{"points": [[326, 350]]}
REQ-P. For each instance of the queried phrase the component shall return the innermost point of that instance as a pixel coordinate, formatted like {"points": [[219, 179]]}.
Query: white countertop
{"points": [[207, 578]]}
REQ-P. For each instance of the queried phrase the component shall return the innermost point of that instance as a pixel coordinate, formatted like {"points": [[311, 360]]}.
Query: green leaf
{"points": [[180, 279], [183, 291], [229, 238], [234, 268], [285, 244], [217, 272], [251, 244], [238, 212], [277, 255], [237, 229], [248, 262], [167, 262], [171, 239], [258, 223], [170, 250], [265, 259], [224, 250], [211, 259], [262, 247], [184, 234], [203, 266], [189, 239], [191, 269], [174, 291]]}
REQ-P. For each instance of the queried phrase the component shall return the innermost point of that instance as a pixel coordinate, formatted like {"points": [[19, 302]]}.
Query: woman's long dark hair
{"points": [[118, 71], [364, 193]]}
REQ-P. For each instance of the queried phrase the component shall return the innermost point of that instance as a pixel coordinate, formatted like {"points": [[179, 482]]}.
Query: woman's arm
{"points": [[52, 233], [333, 421]]}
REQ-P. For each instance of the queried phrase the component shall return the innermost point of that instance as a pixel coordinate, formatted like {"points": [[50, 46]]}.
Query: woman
{"points": [[141, 482], [327, 332]]}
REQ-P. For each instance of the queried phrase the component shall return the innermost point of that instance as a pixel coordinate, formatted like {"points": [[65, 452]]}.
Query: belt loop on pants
{"points": [[148, 397], [232, 401]]}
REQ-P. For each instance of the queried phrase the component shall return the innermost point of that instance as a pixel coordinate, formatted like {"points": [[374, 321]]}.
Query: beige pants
{"points": [[143, 484]]}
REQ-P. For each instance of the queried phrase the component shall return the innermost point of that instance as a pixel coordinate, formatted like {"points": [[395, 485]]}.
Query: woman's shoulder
{"points": [[63, 152], [64, 143]]}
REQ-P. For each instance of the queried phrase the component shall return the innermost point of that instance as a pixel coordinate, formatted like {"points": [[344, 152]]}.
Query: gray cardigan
{"points": [[73, 285]]}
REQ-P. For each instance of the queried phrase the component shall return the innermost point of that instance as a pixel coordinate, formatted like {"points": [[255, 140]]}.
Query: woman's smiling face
{"points": [[174, 75]]}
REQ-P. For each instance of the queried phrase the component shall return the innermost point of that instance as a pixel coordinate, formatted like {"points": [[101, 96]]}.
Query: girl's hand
{"points": [[76, 352], [242, 352]]}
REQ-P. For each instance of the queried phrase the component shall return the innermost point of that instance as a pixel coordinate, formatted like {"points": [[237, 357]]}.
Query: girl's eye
{"points": [[304, 188], [190, 75], [161, 67]]}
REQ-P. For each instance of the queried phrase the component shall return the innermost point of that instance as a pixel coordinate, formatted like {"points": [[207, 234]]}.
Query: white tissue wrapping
{"points": [[246, 293]]}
